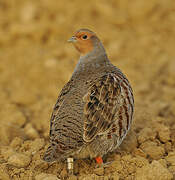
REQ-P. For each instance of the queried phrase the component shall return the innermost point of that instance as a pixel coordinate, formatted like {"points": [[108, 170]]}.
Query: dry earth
{"points": [[36, 61]]}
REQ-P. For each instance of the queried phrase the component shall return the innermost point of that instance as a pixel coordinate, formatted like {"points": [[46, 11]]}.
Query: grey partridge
{"points": [[95, 108]]}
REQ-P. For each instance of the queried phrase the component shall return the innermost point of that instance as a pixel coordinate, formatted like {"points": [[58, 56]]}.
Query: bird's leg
{"points": [[100, 163], [99, 160], [70, 166]]}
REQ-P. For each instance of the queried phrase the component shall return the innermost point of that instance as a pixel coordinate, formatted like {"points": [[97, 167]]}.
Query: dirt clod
{"points": [[19, 160], [44, 176], [153, 171]]}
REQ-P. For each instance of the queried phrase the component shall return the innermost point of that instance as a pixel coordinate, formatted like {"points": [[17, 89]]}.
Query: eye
{"points": [[84, 37]]}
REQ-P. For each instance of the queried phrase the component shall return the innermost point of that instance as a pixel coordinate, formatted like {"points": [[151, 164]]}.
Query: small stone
{"points": [[44, 176], [163, 133], [16, 142], [30, 131], [146, 134], [19, 160], [152, 149], [140, 152], [171, 158], [153, 171], [99, 171]]}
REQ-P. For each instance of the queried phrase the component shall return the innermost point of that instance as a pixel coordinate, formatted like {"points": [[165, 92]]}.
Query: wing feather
{"points": [[101, 104], [58, 104]]}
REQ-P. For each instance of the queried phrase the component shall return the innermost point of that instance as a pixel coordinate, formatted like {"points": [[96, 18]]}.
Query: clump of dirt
{"points": [[36, 61]]}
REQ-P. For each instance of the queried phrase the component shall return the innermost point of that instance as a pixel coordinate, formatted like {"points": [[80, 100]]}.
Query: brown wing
{"points": [[101, 104], [60, 99]]}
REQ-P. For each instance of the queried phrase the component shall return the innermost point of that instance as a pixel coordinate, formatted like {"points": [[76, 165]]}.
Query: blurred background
{"points": [[36, 61]]}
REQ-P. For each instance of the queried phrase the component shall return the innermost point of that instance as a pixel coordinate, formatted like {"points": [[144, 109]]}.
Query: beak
{"points": [[72, 39]]}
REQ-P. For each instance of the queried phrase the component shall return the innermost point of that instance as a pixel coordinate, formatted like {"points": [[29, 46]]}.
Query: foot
{"points": [[100, 162]]}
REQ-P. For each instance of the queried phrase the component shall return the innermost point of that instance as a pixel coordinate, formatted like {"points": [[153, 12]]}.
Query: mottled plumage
{"points": [[94, 110]]}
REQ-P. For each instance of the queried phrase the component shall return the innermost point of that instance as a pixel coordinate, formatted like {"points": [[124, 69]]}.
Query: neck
{"points": [[95, 59], [91, 62]]}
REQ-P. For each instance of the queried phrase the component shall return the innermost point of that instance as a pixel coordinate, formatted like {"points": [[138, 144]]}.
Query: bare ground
{"points": [[36, 61]]}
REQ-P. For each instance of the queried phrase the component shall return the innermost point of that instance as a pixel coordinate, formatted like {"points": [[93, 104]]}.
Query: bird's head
{"points": [[84, 41]]}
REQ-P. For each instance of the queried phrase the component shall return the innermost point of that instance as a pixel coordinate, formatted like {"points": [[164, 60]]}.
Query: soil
{"points": [[36, 61]]}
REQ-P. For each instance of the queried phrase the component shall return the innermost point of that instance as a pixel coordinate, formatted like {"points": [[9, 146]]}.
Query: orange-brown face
{"points": [[82, 41]]}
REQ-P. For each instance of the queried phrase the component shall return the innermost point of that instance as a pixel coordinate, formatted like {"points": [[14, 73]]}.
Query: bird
{"points": [[94, 110]]}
